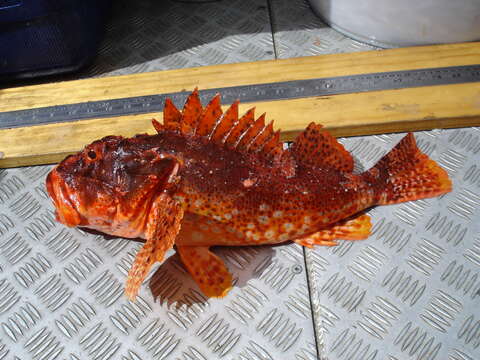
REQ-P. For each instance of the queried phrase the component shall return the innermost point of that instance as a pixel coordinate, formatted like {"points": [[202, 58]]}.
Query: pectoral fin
{"points": [[207, 269], [163, 225], [353, 229]]}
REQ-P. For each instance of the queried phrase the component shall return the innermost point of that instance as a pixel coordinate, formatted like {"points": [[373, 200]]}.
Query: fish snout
{"points": [[65, 211]]}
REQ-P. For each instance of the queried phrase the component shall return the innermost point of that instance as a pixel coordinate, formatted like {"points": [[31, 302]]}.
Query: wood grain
{"points": [[422, 108], [208, 77]]}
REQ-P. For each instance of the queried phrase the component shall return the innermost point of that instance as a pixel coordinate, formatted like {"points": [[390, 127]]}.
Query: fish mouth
{"points": [[65, 210]]}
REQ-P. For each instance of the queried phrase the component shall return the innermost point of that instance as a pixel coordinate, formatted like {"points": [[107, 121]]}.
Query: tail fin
{"points": [[405, 173]]}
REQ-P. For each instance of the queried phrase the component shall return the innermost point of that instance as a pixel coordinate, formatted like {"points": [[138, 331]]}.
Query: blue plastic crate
{"points": [[41, 37]]}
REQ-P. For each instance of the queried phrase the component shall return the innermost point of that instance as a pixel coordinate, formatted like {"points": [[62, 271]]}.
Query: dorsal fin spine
{"points": [[263, 138], [251, 133], [239, 129], [244, 134], [258, 138], [225, 124], [192, 111], [171, 116], [158, 127], [209, 117], [271, 144]]}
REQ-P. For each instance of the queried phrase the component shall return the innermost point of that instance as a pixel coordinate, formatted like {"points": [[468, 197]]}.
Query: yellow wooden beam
{"points": [[208, 77], [345, 115], [376, 112]]}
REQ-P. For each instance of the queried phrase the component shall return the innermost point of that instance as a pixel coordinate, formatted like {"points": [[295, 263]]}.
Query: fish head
{"points": [[109, 185]]}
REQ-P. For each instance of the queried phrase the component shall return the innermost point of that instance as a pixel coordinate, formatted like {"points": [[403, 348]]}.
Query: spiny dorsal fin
{"points": [[315, 147], [251, 133], [240, 127], [262, 138], [209, 117], [171, 116], [245, 134], [226, 122], [273, 147], [159, 127], [191, 113]]}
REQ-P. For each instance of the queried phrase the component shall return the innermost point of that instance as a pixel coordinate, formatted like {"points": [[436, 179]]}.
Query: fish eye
{"points": [[92, 154]]}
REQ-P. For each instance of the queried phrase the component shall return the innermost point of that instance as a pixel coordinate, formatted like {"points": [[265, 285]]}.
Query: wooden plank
{"points": [[208, 77], [423, 108]]}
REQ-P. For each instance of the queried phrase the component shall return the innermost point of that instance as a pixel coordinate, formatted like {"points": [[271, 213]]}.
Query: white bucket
{"points": [[391, 23]]}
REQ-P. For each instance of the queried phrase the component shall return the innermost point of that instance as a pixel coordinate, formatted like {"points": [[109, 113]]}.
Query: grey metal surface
{"points": [[411, 291], [299, 32], [150, 35], [61, 294]]}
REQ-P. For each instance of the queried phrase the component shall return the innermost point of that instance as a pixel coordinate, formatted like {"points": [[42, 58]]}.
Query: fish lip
{"points": [[65, 210]]}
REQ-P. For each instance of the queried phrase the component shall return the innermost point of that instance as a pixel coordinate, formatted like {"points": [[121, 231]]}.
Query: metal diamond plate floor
{"points": [[411, 291]]}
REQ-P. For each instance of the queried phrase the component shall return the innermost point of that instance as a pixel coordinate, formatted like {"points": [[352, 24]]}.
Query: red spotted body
{"points": [[211, 178]]}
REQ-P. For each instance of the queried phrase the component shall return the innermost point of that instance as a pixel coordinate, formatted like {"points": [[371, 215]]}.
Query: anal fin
{"points": [[353, 229], [207, 269]]}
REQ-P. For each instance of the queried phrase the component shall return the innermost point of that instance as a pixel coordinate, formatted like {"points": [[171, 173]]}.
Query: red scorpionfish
{"points": [[211, 178]]}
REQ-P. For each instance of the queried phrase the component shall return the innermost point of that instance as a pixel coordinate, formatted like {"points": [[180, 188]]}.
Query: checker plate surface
{"points": [[61, 293], [410, 291]]}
